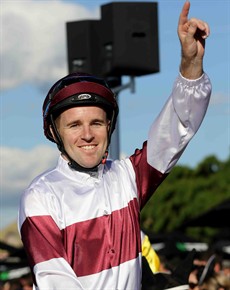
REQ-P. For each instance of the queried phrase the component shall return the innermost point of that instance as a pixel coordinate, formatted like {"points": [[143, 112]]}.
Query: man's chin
{"points": [[89, 165]]}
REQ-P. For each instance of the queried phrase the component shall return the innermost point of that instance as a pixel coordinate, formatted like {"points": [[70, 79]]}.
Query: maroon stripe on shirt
{"points": [[42, 239], [147, 177], [90, 246]]}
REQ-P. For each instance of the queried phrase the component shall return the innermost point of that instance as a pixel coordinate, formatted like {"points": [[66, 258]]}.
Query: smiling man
{"points": [[79, 222]]}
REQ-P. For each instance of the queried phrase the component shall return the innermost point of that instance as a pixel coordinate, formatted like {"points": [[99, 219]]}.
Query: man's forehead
{"points": [[84, 111]]}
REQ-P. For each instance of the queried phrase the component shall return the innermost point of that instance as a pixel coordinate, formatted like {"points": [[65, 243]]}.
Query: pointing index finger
{"points": [[184, 13]]}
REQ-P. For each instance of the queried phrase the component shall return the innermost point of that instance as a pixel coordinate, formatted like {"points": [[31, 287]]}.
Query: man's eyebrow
{"points": [[74, 121], [78, 121], [98, 120]]}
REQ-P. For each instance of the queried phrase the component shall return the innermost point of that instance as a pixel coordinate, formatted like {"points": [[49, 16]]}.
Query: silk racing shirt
{"points": [[82, 231]]}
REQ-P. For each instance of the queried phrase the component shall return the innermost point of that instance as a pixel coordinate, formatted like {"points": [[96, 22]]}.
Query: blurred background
{"points": [[192, 206]]}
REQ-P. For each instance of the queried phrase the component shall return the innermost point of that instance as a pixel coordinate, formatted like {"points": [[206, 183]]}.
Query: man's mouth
{"points": [[88, 147]]}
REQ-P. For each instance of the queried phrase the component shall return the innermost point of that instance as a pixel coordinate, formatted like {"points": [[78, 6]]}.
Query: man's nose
{"points": [[87, 133]]}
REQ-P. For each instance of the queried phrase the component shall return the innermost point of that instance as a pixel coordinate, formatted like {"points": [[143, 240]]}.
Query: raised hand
{"points": [[192, 34]]}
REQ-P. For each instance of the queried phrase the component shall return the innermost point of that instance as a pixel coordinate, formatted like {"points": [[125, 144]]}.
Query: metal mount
{"points": [[130, 85]]}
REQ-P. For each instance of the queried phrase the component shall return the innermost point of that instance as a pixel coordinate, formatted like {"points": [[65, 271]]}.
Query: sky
{"points": [[33, 55]]}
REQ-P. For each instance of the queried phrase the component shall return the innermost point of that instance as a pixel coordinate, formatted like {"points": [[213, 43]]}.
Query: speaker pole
{"points": [[114, 148]]}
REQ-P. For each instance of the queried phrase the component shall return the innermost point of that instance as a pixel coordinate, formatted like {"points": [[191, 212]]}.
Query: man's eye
{"points": [[74, 125], [97, 124]]}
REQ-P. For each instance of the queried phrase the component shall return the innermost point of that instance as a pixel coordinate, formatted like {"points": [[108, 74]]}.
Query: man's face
{"points": [[84, 132]]}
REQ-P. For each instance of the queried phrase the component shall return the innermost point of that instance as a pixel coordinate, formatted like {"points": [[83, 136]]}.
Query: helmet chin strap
{"points": [[72, 163]]}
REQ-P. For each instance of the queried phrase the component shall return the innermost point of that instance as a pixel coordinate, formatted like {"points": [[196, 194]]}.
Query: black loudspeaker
{"points": [[130, 38], [83, 46], [123, 42]]}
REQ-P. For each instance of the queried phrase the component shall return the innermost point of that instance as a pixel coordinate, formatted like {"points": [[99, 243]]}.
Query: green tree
{"points": [[187, 193]]}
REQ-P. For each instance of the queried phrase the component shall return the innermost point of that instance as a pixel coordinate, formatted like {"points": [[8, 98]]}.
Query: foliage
{"points": [[187, 193]]}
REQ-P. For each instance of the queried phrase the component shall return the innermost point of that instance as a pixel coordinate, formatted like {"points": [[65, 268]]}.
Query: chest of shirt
{"points": [[78, 201]]}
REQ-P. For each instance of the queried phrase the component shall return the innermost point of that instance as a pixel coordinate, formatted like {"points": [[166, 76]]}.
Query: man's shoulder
{"points": [[43, 179]]}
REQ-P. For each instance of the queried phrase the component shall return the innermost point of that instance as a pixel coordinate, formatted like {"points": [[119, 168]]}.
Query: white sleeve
{"points": [[178, 122], [56, 274]]}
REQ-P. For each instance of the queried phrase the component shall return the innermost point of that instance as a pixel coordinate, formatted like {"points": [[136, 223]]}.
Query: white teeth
{"points": [[88, 147]]}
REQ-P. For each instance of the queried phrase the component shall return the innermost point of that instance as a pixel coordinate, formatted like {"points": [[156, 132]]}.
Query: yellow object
{"points": [[150, 255]]}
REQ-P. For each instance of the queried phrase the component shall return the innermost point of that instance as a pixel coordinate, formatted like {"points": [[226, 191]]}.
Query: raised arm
{"points": [[185, 109]]}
